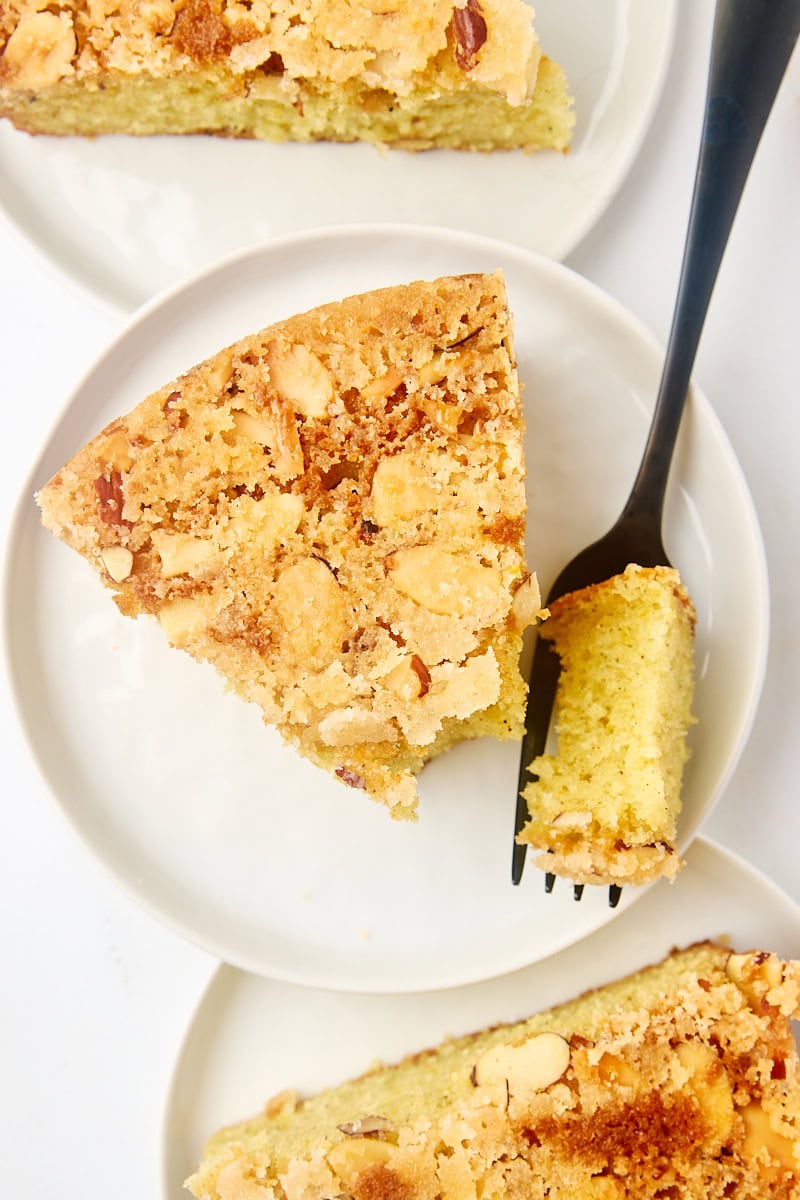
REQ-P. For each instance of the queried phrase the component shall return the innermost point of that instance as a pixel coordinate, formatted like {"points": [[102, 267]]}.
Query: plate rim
{"points": [[137, 889], [107, 297]]}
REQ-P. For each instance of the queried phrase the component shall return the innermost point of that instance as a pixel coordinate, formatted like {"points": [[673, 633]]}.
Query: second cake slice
{"points": [[332, 512]]}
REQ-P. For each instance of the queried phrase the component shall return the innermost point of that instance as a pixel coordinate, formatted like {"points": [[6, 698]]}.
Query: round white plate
{"points": [[203, 814], [126, 217], [251, 1038]]}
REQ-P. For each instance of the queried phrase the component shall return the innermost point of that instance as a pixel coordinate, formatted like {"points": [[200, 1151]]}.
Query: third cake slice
{"points": [[332, 512], [680, 1082]]}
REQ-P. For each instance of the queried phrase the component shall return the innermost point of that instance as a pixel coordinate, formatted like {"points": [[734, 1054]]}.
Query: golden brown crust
{"points": [[324, 511]]}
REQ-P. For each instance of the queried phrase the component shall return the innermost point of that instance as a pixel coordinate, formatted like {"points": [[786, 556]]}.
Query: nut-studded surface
{"points": [[332, 512], [680, 1081]]}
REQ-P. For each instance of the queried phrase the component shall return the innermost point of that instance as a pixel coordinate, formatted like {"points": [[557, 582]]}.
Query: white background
{"points": [[94, 996]]}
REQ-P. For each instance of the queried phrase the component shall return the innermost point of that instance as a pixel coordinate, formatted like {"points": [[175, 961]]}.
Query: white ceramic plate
{"points": [[251, 1038], [125, 218], [203, 814]]}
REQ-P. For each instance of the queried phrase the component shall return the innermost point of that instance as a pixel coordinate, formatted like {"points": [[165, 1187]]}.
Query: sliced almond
{"points": [[401, 489], [116, 450], [529, 1066], [446, 583], [761, 1139], [526, 607], [301, 378], [350, 1158], [257, 428], [572, 820], [433, 371], [118, 562], [365, 1126], [311, 612], [383, 386], [710, 1084], [39, 51], [266, 523], [179, 617], [410, 679], [354, 726], [179, 552]]}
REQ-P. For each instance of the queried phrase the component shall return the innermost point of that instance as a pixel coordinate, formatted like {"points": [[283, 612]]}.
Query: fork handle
{"points": [[750, 49]]}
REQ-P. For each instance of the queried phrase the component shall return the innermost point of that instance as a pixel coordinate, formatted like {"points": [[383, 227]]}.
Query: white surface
{"points": [[208, 823], [126, 218], [252, 1038], [96, 994]]}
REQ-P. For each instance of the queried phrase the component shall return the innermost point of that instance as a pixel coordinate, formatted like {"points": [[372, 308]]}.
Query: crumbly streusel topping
{"points": [[384, 44], [333, 512]]}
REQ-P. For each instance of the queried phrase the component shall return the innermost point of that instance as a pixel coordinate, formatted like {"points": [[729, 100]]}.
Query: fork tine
{"points": [[541, 695], [614, 889]]}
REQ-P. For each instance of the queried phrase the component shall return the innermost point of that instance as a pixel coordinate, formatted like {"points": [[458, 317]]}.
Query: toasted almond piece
{"points": [[446, 583], [283, 440], [179, 617], [761, 1139], [526, 607], [613, 1069], [268, 522], [118, 562], [433, 371], [572, 820], [311, 612], [39, 51], [710, 1085], [257, 428], [353, 726], [179, 552], [350, 1158], [400, 489], [116, 450], [529, 1066], [743, 967], [365, 1126], [301, 379], [385, 385]]}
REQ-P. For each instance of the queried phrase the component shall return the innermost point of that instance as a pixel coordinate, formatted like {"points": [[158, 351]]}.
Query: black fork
{"points": [[750, 49]]}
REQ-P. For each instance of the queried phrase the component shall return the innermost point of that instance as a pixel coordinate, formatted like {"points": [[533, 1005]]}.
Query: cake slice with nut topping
{"points": [[467, 74], [680, 1081], [332, 512]]}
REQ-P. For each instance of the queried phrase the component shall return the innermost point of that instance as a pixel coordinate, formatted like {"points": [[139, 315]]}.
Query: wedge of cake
{"points": [[332, 512], [604, 807], [680, 1081], [467, 74]]}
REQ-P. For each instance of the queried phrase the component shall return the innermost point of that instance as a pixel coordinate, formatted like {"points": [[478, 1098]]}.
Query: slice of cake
{"points": [[605, 806], [682, 1081], [467, 74], [332, 512]]}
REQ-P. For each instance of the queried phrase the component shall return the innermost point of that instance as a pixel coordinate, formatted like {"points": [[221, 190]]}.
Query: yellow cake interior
{"points": [[605, 804]]}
